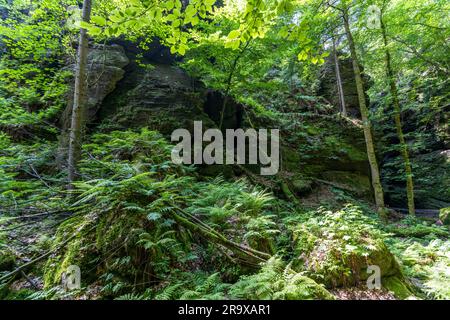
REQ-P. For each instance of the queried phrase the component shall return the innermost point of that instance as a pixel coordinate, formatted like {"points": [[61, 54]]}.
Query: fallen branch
{"points": [[35, 215], [17, 227], [211, 230], [213, 235], [336, 185], [29, 280]]}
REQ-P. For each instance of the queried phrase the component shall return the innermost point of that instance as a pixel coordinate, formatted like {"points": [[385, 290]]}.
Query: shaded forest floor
{"points": [[143, 228]]}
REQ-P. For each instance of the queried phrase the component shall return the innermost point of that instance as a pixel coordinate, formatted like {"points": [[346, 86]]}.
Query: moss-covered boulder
{"points": [[322, 143], [101, 243], [79, 250], [301, 185], [398, 287], [322, 149], [328, 89], [337, 248], [444, 215]]}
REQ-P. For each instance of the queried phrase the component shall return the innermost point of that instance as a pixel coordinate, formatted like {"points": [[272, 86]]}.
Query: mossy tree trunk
{"points": [[79, 99], [375, 172], [398, 123]]}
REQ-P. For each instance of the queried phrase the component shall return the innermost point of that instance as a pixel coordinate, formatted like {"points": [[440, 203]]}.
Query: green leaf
{"points": [[115, 18], [170, 4], [190, 11], [135, 2], [195, 20], [234, 34], [153, 216], [302, 56], [182, 50], [176, 23], [100, 21]]}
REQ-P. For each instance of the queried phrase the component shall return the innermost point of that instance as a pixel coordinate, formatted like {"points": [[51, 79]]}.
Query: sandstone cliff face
{"points": [[157, 94], [162, 97], [328, 87], [105, 69]]}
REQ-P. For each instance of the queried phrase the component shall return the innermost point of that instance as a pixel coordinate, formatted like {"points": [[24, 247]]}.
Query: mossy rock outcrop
{"points": [[324, 144], [106, 68], [106, 243], [431, 181], [79, 251], [337, 248], [354, 182], [325, 148], [98, 242], [397, 286], [301, 185], [160, 97], [328, 88]]}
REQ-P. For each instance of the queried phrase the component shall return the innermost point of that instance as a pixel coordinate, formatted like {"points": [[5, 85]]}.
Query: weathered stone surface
{"points": [[323, 146], [162, 98], [105, 69], [110, 55], [431, 181], [328, 87], [321, 261], [354, 182], [398, 287], [301, 185]]}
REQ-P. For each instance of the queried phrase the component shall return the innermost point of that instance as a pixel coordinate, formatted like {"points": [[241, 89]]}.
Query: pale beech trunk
{"points": [[79, 98], [375, 172], [398, 123], [339, 80]]}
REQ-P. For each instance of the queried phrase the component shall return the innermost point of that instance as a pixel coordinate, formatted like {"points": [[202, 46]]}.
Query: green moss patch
{"points": [[336, 248]]}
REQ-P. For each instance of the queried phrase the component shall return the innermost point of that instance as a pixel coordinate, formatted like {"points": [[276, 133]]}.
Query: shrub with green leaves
{"points": [[32, 81]]}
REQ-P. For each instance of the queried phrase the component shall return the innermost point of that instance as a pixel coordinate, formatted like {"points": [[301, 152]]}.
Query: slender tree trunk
{"points": [[79, 98], [375, 173], [229, 82], [339, 80], [398, 123]]}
